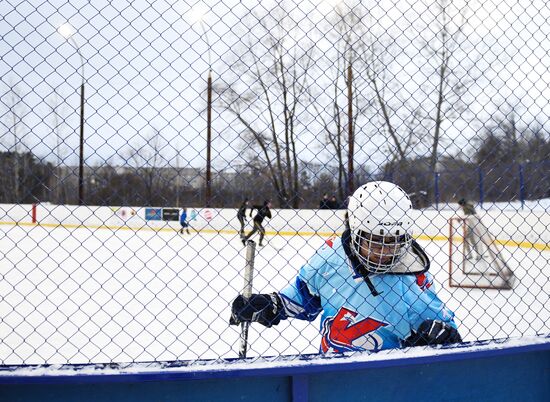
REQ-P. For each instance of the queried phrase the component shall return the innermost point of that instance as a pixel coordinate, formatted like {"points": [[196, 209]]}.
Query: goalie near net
{"points": [[474, 258]]}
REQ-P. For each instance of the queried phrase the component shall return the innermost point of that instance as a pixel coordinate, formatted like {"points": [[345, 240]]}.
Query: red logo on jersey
{"points": [[342, 333], [423, 282], [330, 241]]}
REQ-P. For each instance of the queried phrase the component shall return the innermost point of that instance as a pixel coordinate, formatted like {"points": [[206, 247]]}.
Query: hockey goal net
{"points": [[475, 260]]}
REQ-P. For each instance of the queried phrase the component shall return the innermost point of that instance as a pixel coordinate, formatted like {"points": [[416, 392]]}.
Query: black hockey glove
{"points": [[263, 308], [433, 332]]}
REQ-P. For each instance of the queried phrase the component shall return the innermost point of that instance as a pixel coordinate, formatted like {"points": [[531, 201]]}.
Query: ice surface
{"points": [[80, 295]]}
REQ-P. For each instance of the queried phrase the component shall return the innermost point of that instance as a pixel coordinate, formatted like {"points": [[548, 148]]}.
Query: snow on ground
{"points": [[80, 295]]}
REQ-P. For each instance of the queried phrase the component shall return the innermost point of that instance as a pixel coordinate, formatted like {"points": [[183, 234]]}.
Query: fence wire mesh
{"points": [[118, 118]]}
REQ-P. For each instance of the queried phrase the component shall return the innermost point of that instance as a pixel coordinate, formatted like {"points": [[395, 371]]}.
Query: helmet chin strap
{"points": [[357, 265], [372, 289]]}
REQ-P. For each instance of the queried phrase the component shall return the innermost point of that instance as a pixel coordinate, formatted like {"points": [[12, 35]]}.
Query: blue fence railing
{"points": [[502, 183]]}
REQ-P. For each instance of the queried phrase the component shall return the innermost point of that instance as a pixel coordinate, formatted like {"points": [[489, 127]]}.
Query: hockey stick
{"points": [[275, 245], [247, 292], [269, 241]]}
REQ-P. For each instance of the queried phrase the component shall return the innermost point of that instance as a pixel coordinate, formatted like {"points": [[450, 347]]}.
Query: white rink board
{"points": [[98, 295], [517, 225]]}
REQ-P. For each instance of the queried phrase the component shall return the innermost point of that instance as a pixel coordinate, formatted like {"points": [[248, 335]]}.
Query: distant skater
{"points": [[183, 222], [467, 207], [263, 212], [472, 222], [241, 216]]}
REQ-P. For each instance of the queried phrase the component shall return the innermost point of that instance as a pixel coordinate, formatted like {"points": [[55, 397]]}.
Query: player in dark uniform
{"points": [[263, 212], [241, 216]]}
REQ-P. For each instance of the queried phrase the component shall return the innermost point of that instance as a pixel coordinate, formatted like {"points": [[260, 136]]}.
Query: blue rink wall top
{"points": [[501, 370]]}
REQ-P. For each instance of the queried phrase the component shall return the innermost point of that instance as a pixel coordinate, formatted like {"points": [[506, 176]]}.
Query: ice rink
{"points": [[81, 295]]}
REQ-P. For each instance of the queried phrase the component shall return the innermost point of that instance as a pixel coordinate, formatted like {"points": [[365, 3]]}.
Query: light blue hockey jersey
{"points": [[357, 316]]}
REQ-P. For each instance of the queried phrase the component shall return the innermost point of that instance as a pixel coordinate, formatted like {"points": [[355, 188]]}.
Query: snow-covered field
{"points": [[80, 295]]}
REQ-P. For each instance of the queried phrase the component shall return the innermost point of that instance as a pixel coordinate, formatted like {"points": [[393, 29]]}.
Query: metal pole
{"points": [[81, 158], [81, 153], [209, 141], [481, 194], [208, 190], [351, 140], [436, 189], [521, 186]]}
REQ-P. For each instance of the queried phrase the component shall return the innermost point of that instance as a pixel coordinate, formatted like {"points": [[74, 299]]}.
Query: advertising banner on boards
{"points": [[170, 214], [153, 214]]}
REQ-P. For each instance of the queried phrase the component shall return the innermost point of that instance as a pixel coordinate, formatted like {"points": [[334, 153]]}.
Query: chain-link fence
{"points": [[118, 119]]}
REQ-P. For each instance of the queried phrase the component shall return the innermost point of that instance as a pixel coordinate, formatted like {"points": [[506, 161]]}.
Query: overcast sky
{"points": [[146, 64]]}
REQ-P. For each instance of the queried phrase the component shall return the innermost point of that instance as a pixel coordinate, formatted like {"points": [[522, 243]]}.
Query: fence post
{"points": [[521, 186], [480, 179], [436, 190]]}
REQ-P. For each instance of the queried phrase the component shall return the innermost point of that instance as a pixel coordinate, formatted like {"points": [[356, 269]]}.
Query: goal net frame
{"points": [[475, 261]]}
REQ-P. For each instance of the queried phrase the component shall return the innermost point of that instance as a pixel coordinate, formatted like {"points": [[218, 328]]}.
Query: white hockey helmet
{"points": [[380, 221]]}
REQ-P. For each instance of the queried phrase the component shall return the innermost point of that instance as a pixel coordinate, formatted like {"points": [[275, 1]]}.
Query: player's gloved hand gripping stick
{"points": [[263, 308], [247, 292]]}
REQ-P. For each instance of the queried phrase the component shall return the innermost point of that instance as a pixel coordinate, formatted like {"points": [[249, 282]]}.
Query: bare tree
{"points": [[58, 122], [147, 159], [447, 76], [13, 100], [179, 150], [348, 102], [266, 96], [377, 57]]}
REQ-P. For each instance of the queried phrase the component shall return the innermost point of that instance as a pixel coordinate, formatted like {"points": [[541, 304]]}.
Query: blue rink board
{"points": [[463, 373]]}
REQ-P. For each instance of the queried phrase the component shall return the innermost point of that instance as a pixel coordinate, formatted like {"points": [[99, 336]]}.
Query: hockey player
{"points": [[264, 211], [472, 245], [467, 207], [241, 216], [372, 285], [183, 222]]}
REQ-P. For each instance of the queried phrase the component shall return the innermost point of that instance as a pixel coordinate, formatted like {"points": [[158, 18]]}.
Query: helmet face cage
{"points": [[380, 220], [379, 253]]}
